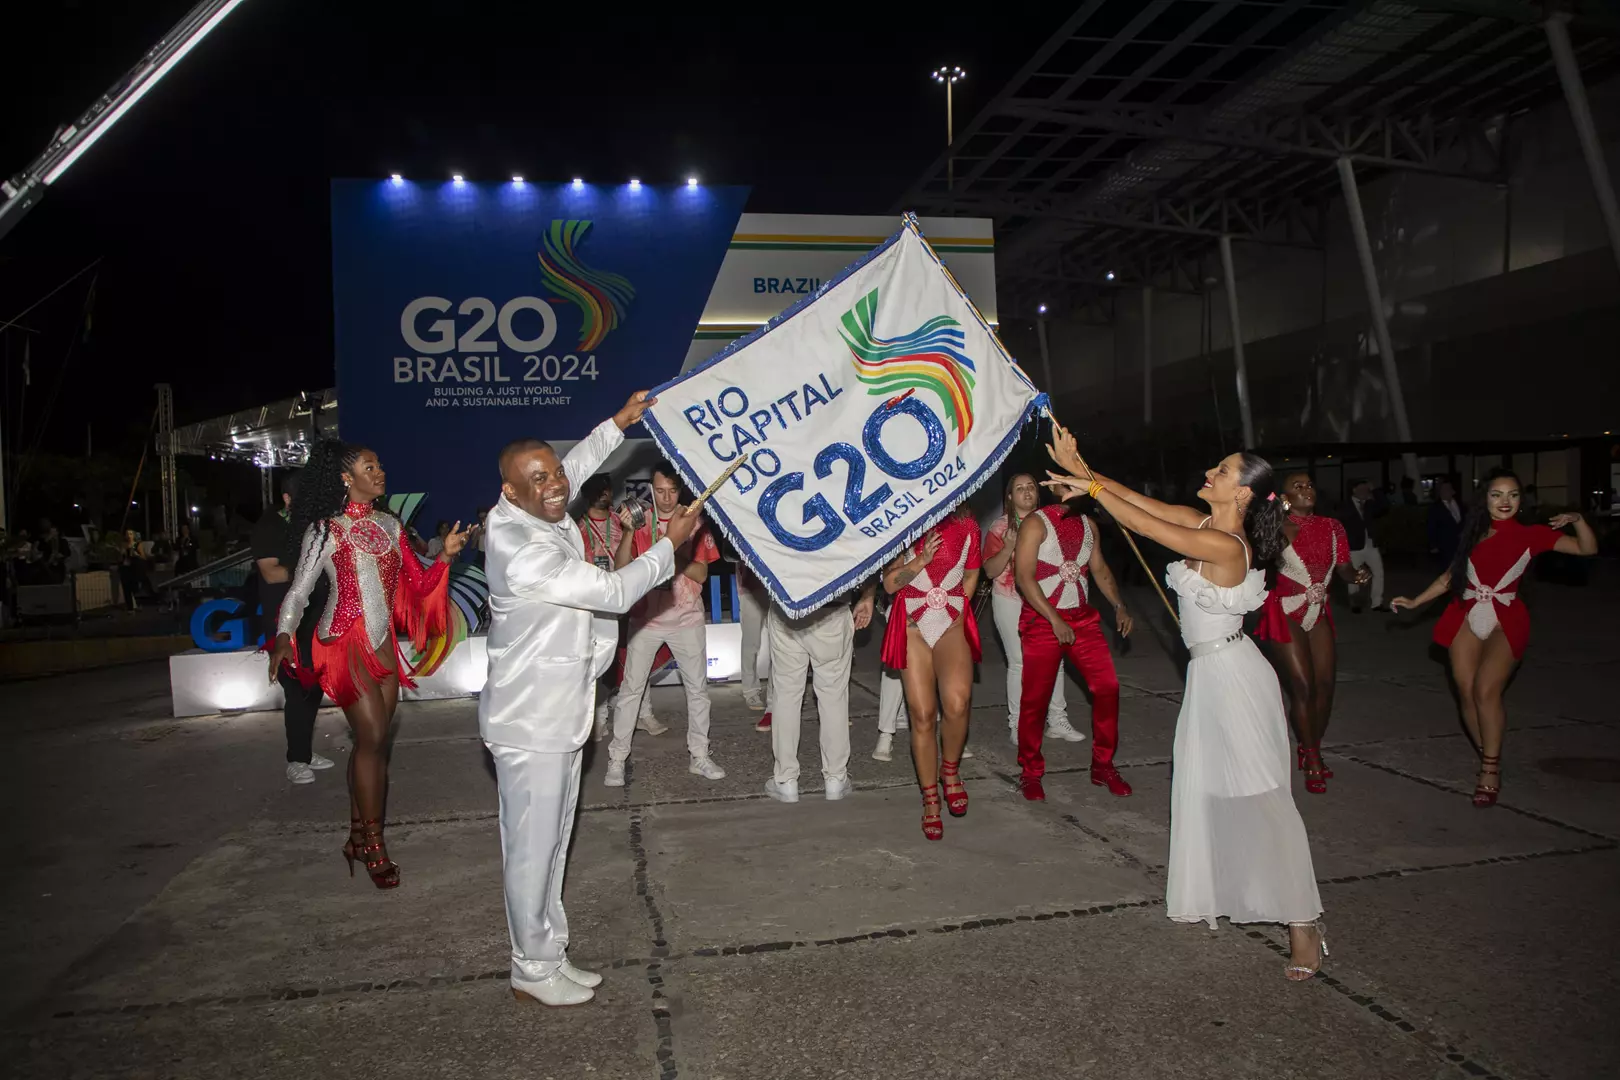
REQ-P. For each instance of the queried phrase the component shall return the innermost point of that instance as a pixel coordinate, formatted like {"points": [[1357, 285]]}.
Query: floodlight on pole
{"points": [[19, 194], [949, 77]]}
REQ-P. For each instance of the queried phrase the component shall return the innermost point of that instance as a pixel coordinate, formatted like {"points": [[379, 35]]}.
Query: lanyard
{"points": [[656, 521], [600, 538]]}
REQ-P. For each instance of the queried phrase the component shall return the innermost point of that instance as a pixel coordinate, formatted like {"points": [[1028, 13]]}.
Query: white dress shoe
{"points": [[885, 748], [614, 777], [788, 792], [1062, 729], [318, 762], [837, 788], [706, 768], [555, 989], [590, 980]]}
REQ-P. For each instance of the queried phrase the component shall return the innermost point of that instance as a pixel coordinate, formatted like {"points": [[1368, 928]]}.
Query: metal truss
{"points": [[1283, 221], [1455, 146]]}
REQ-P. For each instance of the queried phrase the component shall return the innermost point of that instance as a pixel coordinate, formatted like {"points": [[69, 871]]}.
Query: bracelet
{"points": [[1095, 489]]}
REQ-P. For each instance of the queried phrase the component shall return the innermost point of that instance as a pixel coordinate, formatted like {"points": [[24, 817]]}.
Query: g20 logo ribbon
{"points": [[862, 416]]}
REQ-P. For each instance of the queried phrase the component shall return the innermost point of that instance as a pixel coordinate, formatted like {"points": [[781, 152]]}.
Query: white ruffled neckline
{"points": [[1229, 599]]}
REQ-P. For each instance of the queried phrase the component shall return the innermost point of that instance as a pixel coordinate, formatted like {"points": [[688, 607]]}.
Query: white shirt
{"points": [[1455, 510], [552, 631]]}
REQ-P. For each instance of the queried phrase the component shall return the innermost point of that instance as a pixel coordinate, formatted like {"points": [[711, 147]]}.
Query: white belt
{"points": [[1204, 648]]}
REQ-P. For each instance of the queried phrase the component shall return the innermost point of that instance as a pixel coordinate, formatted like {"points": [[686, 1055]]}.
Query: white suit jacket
{"points": [[552, 617]]}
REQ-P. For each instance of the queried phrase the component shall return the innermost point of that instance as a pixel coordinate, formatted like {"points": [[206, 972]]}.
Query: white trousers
{"points": [[752, 615], [689, 645], [891, 701], [1372, 559], [824, 642], [1007, 611], [539, 796]]}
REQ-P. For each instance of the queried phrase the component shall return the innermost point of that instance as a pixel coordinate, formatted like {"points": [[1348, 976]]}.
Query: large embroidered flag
{"points": [[862, 415]]}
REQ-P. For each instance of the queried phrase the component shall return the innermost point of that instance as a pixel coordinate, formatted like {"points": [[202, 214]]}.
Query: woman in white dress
{"points": [[1237, 844]]}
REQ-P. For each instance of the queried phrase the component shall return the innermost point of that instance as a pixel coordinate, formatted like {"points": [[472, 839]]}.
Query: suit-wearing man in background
{"points": [[1445, 524], [1357, 515]]}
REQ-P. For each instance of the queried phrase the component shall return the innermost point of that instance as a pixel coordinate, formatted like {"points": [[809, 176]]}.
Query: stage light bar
{"points": [[22, 191]]}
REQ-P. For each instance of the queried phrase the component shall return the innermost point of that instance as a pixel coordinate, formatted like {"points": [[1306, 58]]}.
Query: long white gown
{"points": [[1237, 844]]}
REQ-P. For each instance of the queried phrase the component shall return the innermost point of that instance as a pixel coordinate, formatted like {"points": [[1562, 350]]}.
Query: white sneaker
{"points": [[318, 762], [299, 773], [705, 767], [651, 724], [1062, 729], [590, 980], [885, 748], [555, 989], [1012, 735], [614, 777], [837, 788], [604, 722], [754, 699], [967, 755], [788, 792]]}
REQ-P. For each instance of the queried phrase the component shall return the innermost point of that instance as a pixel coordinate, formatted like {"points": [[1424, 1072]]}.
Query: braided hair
{"points": [[321, 494]]}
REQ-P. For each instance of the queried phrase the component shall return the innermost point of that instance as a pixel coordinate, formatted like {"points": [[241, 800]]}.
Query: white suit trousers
{"points": [[689, 646], [891, 701], [539, 796], [752, 616], [823, 641], [1007, 611], [1372, 559]]}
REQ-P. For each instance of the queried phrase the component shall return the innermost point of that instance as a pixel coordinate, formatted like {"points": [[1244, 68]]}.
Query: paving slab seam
{"points": [[1471, 864], [302, 993], [1123, 854], [1439, 786], [1434, 1042], [663, 1019], [900, 932]]}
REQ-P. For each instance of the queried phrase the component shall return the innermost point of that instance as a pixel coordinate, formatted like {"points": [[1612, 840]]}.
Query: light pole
{"points": [[949, 77]]}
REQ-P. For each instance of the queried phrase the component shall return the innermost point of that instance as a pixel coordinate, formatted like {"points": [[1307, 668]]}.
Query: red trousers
{"points": [[1043, 666]]}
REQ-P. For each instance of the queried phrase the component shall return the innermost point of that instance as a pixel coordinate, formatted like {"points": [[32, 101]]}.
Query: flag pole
{"points": [[1131, 540]]}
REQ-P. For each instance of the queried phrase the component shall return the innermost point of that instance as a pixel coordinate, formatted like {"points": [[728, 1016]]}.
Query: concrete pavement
{"points": [[175, 909]]}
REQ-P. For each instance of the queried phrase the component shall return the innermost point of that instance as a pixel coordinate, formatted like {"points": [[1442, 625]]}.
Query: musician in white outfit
{"points": [[553, 632], [823, 641]]}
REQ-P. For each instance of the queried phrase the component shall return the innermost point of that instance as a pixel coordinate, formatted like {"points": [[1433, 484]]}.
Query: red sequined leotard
{"points": [[1304, 573], [1490, 597], [378, 584], [936, 598]]}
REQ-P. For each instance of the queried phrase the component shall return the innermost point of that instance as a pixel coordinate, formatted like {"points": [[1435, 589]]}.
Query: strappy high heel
{"points": [[352, 846], [1485, 794], [955, 801], [932, 825], [1315, 775], [1327, 770], [1299, 972], [383, 870]]}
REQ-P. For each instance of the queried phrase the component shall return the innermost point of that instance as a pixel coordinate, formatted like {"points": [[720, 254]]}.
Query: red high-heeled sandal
{"points": [[1315, 781], [955, 801], [1485, 795], [351, 846], [933, 826], [384, 871]]}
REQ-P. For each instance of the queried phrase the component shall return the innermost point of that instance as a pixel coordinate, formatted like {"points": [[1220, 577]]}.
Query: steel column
{"points": [[1147, 355], [1237, 342], [1580, 112], [1375, 298]]}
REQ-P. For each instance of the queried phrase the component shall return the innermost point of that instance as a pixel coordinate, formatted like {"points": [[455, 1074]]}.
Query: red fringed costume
{"points": [[378, 587], [936, 598], [1304, 573]]}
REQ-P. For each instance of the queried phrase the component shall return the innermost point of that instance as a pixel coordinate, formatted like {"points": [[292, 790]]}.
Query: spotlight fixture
{"points": [[635, 185], [457, 178], [578, 182], [517, 180], [1109, 275], [396, 178], [1041, 310]]}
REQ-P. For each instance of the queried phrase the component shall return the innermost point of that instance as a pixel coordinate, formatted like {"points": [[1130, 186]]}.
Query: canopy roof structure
{"points": [[1143, 131], [278, 434]]}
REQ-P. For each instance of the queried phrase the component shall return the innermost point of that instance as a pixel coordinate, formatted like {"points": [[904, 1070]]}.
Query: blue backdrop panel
{"points": [[468, 315]]}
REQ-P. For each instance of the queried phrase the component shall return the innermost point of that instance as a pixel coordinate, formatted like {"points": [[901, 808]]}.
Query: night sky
{"points": [[208, 201]]}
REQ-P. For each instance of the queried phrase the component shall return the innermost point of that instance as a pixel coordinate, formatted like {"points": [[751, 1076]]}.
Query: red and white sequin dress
{"points": [[1304, 574], [378, 585], [1491, 596], [935, 599]]}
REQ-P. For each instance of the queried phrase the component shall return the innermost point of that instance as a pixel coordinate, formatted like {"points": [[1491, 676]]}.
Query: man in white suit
{"points": [[553, 632]]}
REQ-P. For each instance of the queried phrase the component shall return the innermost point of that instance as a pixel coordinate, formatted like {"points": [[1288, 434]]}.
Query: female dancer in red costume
{"points": [[378, 584], [933, 641], [1485, 628], [1296, 620]]}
